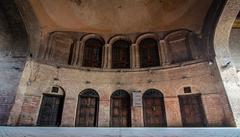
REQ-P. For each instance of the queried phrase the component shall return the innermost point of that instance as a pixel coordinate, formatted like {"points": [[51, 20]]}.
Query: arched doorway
{"points": [[120, 109], [87, 110], [50, 113], [154, 109]]}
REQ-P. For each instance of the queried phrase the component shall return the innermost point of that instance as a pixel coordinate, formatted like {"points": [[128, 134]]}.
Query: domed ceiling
{"points": [[120, 16]]}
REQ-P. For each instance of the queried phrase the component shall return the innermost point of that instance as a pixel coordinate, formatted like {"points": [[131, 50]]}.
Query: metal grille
{"points": [[149, 55], [87, 112], [120, 109], [121, 54], [93, 53], [153, 109]]}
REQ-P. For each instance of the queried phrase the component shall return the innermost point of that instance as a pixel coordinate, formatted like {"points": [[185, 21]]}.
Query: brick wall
{"points": [[201, 77]]}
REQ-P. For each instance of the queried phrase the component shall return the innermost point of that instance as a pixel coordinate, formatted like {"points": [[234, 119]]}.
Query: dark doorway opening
{"points": [[87, 111], [148, 50], [120, 109], [50, 113], [192, 111], [154, 109], [121, 54]]}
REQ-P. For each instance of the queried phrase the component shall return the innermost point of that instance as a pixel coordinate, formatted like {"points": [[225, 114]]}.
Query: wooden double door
{"points": [[120, 109], [50, 113], [87, 111], [192, 111], [87, 114], [153, 109]]}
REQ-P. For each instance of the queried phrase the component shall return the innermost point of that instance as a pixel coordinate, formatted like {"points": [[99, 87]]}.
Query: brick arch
{"points": [[113, 39], [145, 36], [195, 89], [223, 57], [92, 36], [97, 44]]}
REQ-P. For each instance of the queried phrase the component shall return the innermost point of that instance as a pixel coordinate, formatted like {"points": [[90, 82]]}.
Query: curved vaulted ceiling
{"points": [[120, 16]]}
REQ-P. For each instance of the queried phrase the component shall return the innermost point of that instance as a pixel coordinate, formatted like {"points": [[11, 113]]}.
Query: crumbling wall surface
{"points": [[234, 44], [10, 73], [38, 79], [13, 50]]}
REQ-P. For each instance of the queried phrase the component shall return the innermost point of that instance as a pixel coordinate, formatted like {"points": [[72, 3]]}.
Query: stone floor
{"points": [[117, 132]]}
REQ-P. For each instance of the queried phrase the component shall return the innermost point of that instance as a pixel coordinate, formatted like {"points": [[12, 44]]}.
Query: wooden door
{"points": [[87, 112], [51, 111], [154, 110], [192, 111], [120, 111]]}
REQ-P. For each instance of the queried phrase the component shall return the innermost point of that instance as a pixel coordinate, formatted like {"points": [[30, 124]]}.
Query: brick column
{"points": [[69, 112], [213, 110], [76, 53], [173, 113], [137, 109], [80, 54], [223, 58], [137, 56], [104, 113], [137, 116], [21, 90], [106, 56], [133, 56]]}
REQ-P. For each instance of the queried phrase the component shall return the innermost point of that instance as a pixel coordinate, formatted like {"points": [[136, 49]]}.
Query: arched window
{"points": [[87, 110], [50, 113], [148, 50], [153, 109], [120, 109], [121, 54], [92, 56]]}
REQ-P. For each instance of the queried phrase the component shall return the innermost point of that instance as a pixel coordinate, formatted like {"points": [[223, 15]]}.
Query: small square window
{"points": [[55, 89], [187, 90]]}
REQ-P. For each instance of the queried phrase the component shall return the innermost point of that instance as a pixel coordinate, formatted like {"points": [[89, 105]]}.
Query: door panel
{"points": [[120, 112], [192, 111], [154, 112], [50, 111], [87, 112]]}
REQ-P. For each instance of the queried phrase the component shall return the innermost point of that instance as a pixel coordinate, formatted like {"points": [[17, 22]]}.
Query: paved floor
{"points": [[117, 132]]}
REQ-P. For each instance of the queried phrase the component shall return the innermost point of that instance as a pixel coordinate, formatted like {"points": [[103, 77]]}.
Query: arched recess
{"points": [[87, 109], [120, 109], [50, 113], [93, 52], [223, 56], [149, 53], [178, 46], [121, 54], [154, 114]]}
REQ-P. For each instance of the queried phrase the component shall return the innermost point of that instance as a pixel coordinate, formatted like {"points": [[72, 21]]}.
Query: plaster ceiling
{"points": [[120, 16]]}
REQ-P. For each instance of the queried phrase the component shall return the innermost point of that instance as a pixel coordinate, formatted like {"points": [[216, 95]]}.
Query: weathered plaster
{"points": [[224, 60]]}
